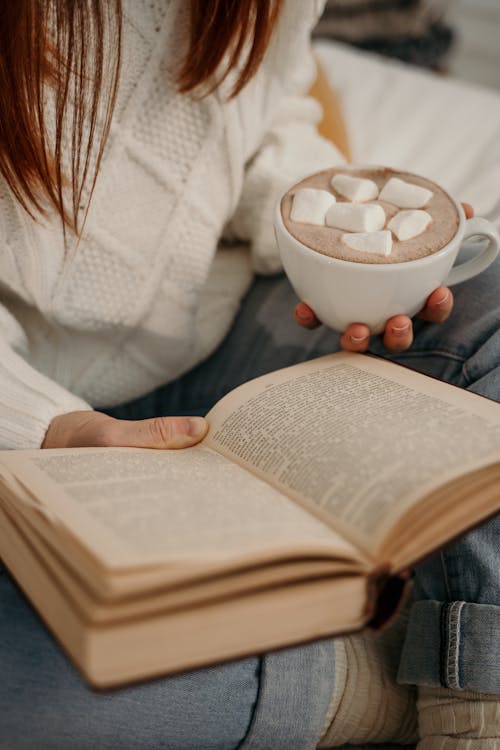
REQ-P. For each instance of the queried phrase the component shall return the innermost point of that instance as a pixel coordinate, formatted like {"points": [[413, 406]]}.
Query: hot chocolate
{"points": [[380, 216]]}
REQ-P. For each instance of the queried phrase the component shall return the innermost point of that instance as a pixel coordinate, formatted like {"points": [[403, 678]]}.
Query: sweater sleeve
{"points": [[290, 147], [290, 151], [28, 399]]}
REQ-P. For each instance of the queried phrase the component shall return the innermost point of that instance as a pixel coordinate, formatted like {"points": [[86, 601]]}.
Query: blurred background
{"points": [[454, 37]]}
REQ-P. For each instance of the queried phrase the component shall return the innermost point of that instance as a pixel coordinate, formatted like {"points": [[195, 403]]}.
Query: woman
{"points": [[108, 300]]}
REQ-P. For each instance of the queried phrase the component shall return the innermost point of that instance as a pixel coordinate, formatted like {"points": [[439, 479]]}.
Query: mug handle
{"points": [[476, 228]]}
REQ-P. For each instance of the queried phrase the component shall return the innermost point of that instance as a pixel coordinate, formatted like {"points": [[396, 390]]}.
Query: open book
{"points": [[315, 487]]}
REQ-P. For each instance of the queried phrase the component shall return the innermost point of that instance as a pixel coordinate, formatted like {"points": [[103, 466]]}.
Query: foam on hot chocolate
{"points": [[328, 240]]}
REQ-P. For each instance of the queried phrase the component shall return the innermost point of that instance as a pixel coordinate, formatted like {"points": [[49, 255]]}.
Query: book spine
{"points": [[387, 593]]}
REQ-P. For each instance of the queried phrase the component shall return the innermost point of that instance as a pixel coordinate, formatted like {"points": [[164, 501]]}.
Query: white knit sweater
{"points": [[146, 296]]}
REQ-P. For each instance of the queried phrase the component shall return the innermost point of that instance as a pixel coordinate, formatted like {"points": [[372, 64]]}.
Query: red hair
{"points": [[59, 71], [240, 28]]}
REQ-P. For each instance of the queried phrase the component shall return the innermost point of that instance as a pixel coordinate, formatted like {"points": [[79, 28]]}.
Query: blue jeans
{"points": [[278, 700]]}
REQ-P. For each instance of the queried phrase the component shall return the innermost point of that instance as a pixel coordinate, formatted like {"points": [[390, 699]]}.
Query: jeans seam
{"points": [[254, 712], [451, 645], [465, 373], [445, 574], [442, 644]]}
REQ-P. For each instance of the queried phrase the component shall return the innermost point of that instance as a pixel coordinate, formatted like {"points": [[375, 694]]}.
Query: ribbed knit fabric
{"points": [[458, 720], [367, 704], [146, 297]]}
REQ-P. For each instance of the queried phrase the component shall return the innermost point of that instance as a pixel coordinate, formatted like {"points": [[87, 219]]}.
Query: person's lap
{"points": [[43, 701], [278, 700], [44, 705]]}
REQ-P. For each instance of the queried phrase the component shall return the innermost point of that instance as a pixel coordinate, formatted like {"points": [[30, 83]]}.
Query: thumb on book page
{"points": [[159, 432], [95, 429]]}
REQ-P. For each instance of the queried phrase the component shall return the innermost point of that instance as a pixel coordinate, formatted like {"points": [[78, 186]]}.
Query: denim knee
{"points": [[453, 636], [46, 706], [468, 569], [278, 701]]}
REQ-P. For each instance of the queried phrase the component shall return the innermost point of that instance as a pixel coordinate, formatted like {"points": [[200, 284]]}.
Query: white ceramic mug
{"points": [[342, 292]]}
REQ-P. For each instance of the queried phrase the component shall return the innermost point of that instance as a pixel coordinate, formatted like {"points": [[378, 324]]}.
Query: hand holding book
{"points": [[82, 429]]}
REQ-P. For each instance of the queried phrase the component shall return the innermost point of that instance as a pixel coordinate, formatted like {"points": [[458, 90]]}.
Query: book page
{"points": [[358, 438], [134, 507]]}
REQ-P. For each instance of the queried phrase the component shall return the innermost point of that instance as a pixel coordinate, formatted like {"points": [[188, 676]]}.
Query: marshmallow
{"points": [[409, 224], [405, 194], [355, 217], [356, 189], [379, 243], [310, 206]]}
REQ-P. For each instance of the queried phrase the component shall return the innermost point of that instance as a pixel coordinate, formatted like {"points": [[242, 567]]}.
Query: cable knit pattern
{"points": [[141, 300]]}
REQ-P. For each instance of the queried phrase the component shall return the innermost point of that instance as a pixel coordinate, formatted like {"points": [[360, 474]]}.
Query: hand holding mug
{"points": [[398, 332], [377, 287]]}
